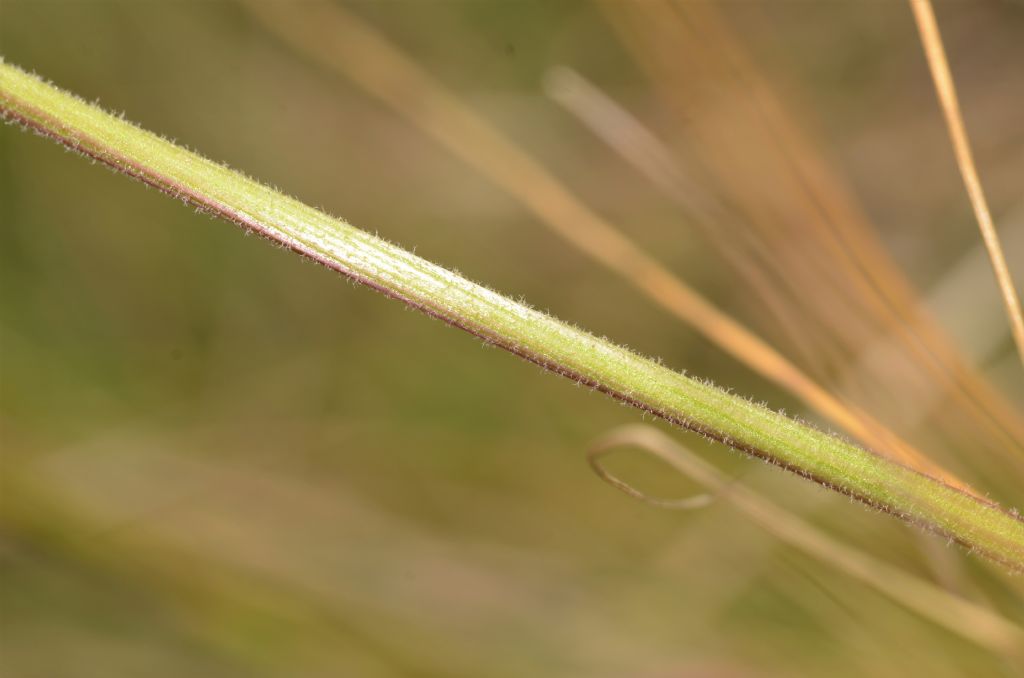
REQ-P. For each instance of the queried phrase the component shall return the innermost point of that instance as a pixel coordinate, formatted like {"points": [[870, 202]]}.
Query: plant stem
{"points": [[693, 404], [332, 37]]}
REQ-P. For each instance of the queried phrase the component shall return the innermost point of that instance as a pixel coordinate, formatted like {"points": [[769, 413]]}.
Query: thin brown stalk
{"points": [[924, 16]]}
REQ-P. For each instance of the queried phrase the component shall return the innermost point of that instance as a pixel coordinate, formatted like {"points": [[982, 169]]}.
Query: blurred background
{"points": [[219, 459]]}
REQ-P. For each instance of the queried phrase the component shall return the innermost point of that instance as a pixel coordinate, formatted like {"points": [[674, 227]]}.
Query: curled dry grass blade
{"points": [[924, 15], [978, 524], [338, 40], [956, 614]]}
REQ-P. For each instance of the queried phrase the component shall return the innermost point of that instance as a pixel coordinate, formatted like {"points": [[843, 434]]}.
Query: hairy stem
{"points": [[687, 402], [335, 38]]}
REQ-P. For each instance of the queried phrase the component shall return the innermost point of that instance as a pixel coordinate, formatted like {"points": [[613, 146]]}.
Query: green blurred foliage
{"points": [[242, 465]]}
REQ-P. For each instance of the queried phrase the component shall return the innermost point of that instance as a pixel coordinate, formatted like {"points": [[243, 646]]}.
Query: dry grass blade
{"points": [[663, 35], [962, 617], [924, 15], [747, 256], [338, 40]]}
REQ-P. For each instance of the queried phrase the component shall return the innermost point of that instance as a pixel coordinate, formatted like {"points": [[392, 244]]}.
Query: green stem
{"points": [[976, 523]]}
